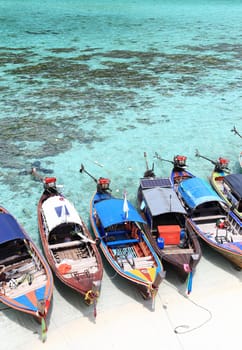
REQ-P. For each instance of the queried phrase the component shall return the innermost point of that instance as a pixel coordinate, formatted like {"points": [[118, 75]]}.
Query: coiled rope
{"points": [[185, 328]]}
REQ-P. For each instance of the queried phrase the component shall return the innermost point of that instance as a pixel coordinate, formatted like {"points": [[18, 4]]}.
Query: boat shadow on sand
{"points": [[219, 261], [24, 320], [212, 263], [122, 290], [68, 297]]}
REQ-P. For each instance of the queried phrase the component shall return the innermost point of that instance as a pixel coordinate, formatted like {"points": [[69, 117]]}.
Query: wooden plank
{"points": [[178, 251], [210, 217], [65, 244], [122, 242]]}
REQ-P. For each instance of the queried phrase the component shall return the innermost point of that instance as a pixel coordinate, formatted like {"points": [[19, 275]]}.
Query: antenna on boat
{"points": [[148, 172], [146, 161], [83, 170]]}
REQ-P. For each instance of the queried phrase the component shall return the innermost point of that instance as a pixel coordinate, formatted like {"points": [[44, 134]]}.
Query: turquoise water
{"points": [[102, 82]]}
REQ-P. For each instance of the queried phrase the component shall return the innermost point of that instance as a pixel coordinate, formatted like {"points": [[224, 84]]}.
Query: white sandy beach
{"points": [[209, 318]]}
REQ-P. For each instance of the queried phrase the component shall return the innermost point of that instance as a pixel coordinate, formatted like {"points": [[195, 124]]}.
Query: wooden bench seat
{"points": [[14, 259], [65, 244], [115, 233], [209, 217], [143, 262], [122, 242], [178, 251]]}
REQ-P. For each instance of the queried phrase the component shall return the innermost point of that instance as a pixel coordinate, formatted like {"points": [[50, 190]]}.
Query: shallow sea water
{"points": [[102, 82]]}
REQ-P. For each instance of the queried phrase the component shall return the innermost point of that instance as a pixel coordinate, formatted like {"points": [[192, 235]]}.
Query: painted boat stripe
{"points": [[24, 300]]}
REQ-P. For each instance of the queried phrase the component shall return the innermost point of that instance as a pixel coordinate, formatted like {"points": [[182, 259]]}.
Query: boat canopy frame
{"points": [[58, 210]]}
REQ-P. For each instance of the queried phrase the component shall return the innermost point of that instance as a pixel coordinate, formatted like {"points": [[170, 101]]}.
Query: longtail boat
{"points": [[118, 227], [176, 245], [227, 185], [68, 245], [26, 282], [209, 216]]}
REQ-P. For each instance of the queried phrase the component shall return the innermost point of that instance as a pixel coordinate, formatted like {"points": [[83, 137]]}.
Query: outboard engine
{"points": [[222, 164], [179, 161], [50, 184], [103, 184]]}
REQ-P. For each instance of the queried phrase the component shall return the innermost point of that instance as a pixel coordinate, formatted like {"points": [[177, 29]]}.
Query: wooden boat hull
{"points": [[231, 252], [179, 175], [182, 260], [217, 181], [76, 264], [30, 288], [182, 253], [211, 219], [145, 270]]}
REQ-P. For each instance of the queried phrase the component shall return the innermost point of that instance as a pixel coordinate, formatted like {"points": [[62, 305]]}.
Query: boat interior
{"points": [[67, 246], [217, 224], [126, 246], [13, 251], [21, 269]]}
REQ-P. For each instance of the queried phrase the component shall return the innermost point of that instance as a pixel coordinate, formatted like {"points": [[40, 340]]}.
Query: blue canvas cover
{"points": [[196, 191], [111, 212], [9, 228]]}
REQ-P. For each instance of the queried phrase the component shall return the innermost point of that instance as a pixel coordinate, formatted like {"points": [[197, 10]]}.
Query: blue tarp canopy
{"points": [[196, 191], [9, 229], [111, 212]]}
